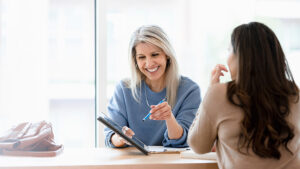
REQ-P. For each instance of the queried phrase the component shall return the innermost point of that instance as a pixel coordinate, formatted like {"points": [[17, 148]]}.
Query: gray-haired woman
{"points": [[156, 88]]}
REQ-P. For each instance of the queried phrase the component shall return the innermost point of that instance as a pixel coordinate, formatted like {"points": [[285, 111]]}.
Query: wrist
{"points": [[175, 131], [171, 118]]}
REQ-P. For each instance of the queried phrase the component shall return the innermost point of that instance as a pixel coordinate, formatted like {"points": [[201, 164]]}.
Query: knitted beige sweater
{"points": [[218, 120]]}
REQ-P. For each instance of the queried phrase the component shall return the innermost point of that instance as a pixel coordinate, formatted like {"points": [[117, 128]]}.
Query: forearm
{"points": [[202, 134], [175, 130]]}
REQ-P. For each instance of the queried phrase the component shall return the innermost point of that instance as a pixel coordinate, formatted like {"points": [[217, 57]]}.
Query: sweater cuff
{"points": [[179, 143], [108, 142]]}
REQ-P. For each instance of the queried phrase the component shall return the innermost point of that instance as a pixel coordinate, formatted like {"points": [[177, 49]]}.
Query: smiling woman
{"points": [[152, 62], [154, 77]]}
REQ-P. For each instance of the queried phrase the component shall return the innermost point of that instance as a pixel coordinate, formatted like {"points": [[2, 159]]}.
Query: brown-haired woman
{"points": [[255, 118]]}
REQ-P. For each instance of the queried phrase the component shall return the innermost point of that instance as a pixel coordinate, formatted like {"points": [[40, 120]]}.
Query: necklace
{"points": [[146, 97], [164, 99]]}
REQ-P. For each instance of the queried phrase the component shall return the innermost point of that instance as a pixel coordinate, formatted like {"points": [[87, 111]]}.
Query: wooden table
{"points": [[105, 158]]}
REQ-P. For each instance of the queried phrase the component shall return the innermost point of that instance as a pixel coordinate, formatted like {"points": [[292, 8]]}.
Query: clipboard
{"points": [[118, 129], [134, 141]]}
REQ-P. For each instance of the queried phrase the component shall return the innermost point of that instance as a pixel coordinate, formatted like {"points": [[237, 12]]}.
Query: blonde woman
{"points": [[156, 88]]}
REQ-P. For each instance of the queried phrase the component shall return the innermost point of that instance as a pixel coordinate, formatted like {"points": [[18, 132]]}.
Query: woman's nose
{"points": [[149, 62]]}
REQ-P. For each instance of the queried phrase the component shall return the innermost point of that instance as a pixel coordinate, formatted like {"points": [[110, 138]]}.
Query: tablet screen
{"points": [[118, 129]]}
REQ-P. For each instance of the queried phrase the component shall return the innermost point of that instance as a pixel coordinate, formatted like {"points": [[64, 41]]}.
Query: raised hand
{"points": [[216, 73]]}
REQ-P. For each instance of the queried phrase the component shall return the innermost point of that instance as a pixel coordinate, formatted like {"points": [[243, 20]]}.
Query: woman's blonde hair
{"points": [[156, 36]]}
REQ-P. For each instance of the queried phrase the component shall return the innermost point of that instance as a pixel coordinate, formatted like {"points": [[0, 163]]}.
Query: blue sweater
{"points": [[126, 111]]}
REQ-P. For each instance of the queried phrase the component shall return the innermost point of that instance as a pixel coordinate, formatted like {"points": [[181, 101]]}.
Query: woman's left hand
{"points": [[161, 111]]}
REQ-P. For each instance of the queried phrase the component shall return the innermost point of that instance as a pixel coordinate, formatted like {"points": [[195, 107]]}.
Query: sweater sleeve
{"points": [[190, 102], [117, 112], [203, 131]]}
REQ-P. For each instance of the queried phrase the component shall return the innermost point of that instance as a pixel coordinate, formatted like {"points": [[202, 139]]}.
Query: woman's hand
{"points": [[119, 141], [216, 73], [161, 111]]}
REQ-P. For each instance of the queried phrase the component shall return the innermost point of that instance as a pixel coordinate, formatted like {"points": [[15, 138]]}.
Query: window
{"points": [[199, 31], [47, 52], [47, 67]]}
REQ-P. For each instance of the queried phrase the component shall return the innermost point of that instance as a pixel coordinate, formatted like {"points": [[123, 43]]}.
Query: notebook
{"points": [[193, 155], [134, 141]]}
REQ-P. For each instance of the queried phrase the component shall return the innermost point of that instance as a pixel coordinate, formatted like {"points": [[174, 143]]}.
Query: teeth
{"points": [[152, 70]]}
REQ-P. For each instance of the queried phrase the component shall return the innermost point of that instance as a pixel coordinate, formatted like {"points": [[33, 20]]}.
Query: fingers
{"points": [[217, 72], [122, 140], [219, 68], [127, 131], [162, 111], [154, 108], [222, 67]]}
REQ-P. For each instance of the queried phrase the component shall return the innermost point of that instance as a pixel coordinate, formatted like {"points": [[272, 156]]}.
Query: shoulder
{"points": [[187, 83], [124, 83], [123, 86], [189, 91], [215, 94], [217, 89]]}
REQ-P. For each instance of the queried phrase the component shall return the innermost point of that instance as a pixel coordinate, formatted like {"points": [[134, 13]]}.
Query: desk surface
{"points": [[98, 158]]}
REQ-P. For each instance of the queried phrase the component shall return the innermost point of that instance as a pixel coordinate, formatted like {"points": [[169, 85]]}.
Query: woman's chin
{"points": [[154, 78]]}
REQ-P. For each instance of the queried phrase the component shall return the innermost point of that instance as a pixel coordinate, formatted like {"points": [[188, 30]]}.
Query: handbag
{"points": [[30, 139]]}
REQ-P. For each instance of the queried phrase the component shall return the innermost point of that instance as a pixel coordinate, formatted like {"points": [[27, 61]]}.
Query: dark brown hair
{"points": [[263, 89]]}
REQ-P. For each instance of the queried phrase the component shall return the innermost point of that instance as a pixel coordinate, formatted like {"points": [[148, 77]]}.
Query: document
{"points": [[192, 154], [162, 149]]}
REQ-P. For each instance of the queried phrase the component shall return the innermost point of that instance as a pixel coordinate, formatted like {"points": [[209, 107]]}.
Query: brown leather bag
{"points": [[30, 139]]}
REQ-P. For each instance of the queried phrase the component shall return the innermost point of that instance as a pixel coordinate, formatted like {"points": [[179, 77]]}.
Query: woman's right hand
{"points": [[118, 141], [216, 73]]}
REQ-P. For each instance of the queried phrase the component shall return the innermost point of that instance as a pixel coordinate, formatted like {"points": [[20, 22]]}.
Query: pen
{"points": [[146, 117]]}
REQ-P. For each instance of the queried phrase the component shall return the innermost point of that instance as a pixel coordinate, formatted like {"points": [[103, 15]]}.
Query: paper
{"points": [[162, 149], [192, 154]]}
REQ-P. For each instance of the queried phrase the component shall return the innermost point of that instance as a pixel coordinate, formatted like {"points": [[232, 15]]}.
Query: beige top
{"points": [[218, 118]]}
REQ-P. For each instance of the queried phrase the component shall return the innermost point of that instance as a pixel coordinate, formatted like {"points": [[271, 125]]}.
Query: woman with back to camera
{"points": [[154, 80], [255, 118]]}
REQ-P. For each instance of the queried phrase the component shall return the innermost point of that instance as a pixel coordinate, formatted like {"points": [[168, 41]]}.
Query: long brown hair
{"points": [[263, 89]]}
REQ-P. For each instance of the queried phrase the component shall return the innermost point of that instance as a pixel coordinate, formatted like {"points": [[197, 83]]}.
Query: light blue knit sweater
{"points": [[126, 111]]}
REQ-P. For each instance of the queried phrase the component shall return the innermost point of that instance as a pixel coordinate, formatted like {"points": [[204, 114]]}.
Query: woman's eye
{"points": [[141, 57], [155, 54]]}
